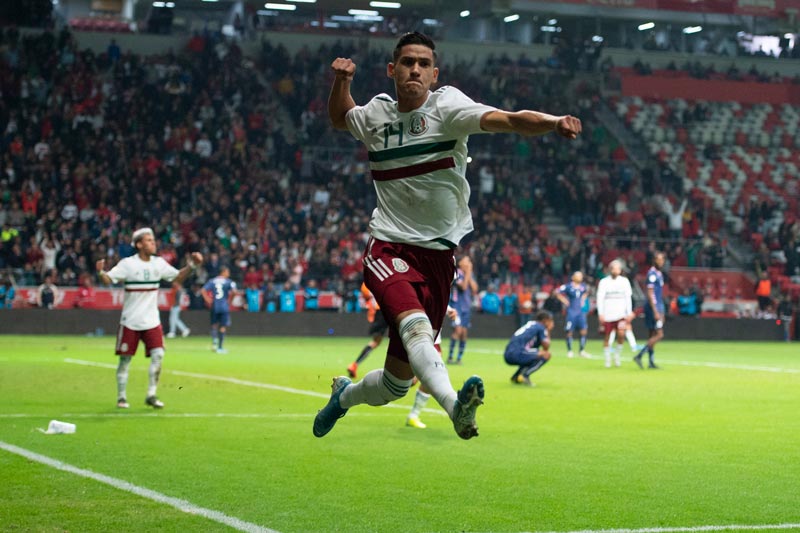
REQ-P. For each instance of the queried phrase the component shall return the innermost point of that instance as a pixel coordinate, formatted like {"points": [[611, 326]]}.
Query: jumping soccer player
{"points": [[653, 310], [217, 292], [573, 295], [529, 348], [418, 156], [461, 296], [614, 310], [141, 274], [377, 329]]}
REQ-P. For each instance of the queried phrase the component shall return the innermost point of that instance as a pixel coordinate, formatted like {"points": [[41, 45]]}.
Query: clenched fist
{"points": [[568, 126], [344, 68]]}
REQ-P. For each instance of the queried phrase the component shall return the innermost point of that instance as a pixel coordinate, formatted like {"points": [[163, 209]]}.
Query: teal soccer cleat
{"points": [[469, 398], [327, 416]]}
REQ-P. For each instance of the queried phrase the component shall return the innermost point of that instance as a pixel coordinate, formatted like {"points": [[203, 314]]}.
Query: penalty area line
{"points": [[242, 382], [688, 529], [181, 505]]}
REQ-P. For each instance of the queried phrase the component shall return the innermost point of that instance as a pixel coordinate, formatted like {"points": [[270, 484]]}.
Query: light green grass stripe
{"points": [[177, 503], [688, 529]]}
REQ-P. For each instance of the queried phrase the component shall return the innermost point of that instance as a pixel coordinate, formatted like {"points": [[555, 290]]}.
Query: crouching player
{"points": [[529, 348]]}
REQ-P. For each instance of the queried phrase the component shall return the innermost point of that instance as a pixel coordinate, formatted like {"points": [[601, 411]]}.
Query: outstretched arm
{"points": [[530, 123], [340, 101], [196, 259]]}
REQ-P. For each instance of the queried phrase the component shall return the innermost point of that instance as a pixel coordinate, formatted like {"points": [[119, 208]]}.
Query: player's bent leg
{"points": [[378, 387], [154, 373], [122, 381], [416, 334]]}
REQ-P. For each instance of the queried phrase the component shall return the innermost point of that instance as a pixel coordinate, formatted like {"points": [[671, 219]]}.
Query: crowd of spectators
{"points": [[234, 157]]}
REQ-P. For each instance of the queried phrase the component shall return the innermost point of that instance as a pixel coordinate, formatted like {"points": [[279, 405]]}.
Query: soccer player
{"points": [[574, 295], [423, 395], [529, 348], [614, 310], [175, 322], [653, 310], [377, 329], [417, 150], [141, 274], [217, 292], [463, 290]]}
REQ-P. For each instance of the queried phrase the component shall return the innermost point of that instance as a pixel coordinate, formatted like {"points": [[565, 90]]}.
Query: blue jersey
{"points": [[461, 300], [655, 281], [528, 337], [575, 296], [220, 289]]}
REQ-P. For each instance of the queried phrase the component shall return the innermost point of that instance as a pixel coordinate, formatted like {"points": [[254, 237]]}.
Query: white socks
{"points": [[377, 388], [154, 372], [426, 361], [122, 376], [419, 403], [631, 339]]}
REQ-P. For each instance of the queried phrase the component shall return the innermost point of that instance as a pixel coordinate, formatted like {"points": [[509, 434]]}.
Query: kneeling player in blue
{"points": [[529, 347], [217, 293]]}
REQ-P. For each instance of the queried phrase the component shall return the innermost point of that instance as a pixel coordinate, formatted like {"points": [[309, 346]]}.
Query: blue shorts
{"points": [[522, 357], [575, 322], [650, 318], [221, 318], [464, 319]]}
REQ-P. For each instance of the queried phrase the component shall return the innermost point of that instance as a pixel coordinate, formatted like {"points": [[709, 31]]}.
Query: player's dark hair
{"points": [[543, 315], [413, 37], [657, 253]]}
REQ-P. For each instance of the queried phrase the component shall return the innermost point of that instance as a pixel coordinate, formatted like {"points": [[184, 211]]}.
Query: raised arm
{"points": [[340, 101], [196, 259], [102, 275], [530, 123]]}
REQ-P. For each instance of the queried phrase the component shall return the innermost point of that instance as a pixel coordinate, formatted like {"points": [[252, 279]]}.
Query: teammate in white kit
{"points": [[614, 309], [141, 274], [417, 148]]}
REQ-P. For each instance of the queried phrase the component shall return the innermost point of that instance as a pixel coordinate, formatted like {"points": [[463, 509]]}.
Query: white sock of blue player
{"points": [[420, 401], [122, 376], [417, 335], [631, 339], [154, 372], [378, 387]]}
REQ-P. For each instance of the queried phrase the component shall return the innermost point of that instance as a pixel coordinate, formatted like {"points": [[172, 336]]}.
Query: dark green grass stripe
{"points": [[411, 150]]}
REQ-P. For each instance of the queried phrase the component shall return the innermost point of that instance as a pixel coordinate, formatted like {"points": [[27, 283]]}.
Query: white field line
{"points": [[124, 414], [243, 382], [179, 504], [707, 364], [688, 529]]}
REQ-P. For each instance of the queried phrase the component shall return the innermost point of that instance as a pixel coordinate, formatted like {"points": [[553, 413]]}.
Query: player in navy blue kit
{"points": [[653, 310], [529, 348], [464, 288], [217, 293], [574, 295]]}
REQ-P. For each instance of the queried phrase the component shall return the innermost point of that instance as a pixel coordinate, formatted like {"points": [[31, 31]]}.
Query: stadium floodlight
{"points": [[552, 22], [363, 12], [464, 14], [170, 4], [788, 35], [549, 29], [387, 5], [303, 1], [368, 18], [597, 39], [281, 7], [511, 18], [688, 30], [647, 26], [159, 4]]}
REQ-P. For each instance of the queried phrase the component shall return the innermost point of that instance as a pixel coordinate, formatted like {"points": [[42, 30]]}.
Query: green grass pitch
{"points": [[588, 448]]}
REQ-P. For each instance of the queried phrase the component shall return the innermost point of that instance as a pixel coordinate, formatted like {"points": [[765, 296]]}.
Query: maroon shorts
{"points": [[128, 340], [403, 277], [616, 325]]}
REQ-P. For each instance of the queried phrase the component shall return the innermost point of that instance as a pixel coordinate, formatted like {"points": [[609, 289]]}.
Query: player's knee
{"points": [[157, 355], [415, 329]]}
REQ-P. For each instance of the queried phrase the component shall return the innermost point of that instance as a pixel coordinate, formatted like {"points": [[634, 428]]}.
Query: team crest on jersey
{"points": [[418, 125], [399, 265]]}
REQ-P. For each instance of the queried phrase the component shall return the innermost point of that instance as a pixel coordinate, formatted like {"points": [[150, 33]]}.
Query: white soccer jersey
{"points": [[418, 162], [614, 298], [141, 279]]}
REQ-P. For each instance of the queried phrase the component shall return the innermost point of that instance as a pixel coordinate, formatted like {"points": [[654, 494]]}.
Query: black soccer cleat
{"points": [[154, 402]]}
